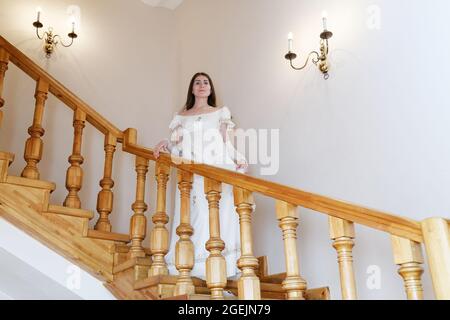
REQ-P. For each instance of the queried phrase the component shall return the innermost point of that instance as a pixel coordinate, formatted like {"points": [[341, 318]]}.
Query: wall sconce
{"points": [[50, 38], [321, 59]]}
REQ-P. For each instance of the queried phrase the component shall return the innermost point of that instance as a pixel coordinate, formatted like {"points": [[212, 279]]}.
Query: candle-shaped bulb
{"points": [[38, 11], [72, 22], [290, 40], [324, 19]]}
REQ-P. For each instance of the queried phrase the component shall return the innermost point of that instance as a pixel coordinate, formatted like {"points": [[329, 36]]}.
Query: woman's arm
{"points": [[176, 136], [228, 139]]}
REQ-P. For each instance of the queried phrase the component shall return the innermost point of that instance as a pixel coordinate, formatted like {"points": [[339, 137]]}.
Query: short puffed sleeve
{"points": [[176, 130], [225, 118], [175, 122]]}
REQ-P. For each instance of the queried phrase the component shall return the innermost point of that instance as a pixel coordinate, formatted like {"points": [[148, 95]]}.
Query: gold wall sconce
{"points": [[320, 60], [50, 39]]}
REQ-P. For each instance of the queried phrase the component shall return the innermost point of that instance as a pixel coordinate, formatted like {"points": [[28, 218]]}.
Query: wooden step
{"points": [[147, 261], [166, 279], [276, 291], [122, 251], [118, 237], [25, 182], [70, 211]]}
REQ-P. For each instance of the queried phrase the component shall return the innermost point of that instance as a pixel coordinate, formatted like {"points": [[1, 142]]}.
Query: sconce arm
{"points": [[37, 33], [62, 42], [307, 60]]}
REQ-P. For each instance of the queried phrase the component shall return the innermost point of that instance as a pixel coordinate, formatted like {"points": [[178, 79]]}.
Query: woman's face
{"points": [[201, 87]]}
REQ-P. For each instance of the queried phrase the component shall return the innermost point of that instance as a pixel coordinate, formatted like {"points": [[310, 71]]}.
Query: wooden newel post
{"points": [[294, 284], [105, 196], [34, 144], [342, 233], [216, 268], [436, 236], [159, 239], [4, 59], [248, 284], [184, 249], [74, 175], [408, 256]]}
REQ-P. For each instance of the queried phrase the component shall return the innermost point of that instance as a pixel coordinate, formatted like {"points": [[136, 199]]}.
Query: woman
{"points": [[202, 132]]}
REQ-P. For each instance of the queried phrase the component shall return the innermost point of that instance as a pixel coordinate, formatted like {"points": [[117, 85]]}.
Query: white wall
{"points": [[123, 64], [373, 134], [32, 271]]}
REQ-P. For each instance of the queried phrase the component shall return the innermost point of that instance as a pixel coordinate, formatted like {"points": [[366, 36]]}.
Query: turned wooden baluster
{"points": [[294, 284], [436, 235], [138, 224], [34, 144], [106, 196], [5, 161], [4, 59], [408, 256], [159, 239], [74, 175], [184, 249], [216, 268], [342, 233], [248, 284]]}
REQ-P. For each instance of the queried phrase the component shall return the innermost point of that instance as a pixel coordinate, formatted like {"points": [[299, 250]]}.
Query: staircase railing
{"points": [[407, 235]]}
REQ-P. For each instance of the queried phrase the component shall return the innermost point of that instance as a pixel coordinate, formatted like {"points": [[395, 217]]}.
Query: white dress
{"points": [[200, 138]]}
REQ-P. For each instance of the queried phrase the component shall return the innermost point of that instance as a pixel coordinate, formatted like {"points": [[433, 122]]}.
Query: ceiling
{"points": [[169, 4]]}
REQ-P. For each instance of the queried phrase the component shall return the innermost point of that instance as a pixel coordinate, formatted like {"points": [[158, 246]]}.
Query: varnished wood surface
{"points": [[40, 184], [71, 211], [408, 256], [437, 243], [118, 237], [342, 233]]}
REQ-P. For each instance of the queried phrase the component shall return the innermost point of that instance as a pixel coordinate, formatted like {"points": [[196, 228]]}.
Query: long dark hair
{"points": [[190, 101]]}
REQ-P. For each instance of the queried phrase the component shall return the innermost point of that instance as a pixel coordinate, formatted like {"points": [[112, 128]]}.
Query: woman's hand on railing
{"points": [[242, 166], [161, 146]]}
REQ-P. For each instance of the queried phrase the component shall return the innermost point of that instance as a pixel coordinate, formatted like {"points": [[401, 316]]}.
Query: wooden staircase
{"points": [[131, 271], [25, 203]]}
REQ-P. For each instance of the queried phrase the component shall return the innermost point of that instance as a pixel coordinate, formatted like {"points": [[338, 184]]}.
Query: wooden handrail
{"points": [[395, 225], [62, 93]]}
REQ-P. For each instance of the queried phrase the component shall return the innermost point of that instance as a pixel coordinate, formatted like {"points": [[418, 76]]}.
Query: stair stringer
{"points": [[25, 207]]}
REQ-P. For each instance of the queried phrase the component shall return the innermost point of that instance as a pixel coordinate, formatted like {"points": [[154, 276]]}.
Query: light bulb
{"points": [[290, 41], [38, 11], [324, 19]]}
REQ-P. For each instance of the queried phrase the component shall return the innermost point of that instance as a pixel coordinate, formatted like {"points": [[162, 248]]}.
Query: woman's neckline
{"points": [[200, 114]]}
